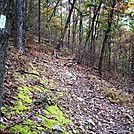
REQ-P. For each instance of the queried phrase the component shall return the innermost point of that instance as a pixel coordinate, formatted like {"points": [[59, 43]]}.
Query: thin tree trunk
{"points": [[75, 22], [110, 17], [39, 21], [68, 38], [61, 15], [53, 11], [29, 19], [132, 63], [109, 54], [93, 22], [19, 6], [66, 24], [81, 24]]}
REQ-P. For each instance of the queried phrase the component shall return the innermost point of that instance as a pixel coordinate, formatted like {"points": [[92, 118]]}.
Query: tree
{"points": [[110, 18], [132, 65], [5, 6], [66, 24], [19, 24], [91, 27], [39, 21]]}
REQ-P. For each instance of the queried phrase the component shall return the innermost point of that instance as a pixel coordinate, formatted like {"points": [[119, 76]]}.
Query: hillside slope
{"points": [[54, 93]]}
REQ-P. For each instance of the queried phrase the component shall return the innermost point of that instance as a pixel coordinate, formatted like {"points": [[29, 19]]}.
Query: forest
{"points": [[66, 66]]}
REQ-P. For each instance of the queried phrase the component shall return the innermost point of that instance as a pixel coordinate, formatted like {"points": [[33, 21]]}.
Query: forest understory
{"points": [[49, 93]]}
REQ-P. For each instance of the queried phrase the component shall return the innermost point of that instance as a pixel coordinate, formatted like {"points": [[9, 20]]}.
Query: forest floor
{"points": [[48, 93]]}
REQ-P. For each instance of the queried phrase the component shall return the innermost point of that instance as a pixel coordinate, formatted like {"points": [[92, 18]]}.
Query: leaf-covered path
{"points": [[92, 104], [87, 104]]}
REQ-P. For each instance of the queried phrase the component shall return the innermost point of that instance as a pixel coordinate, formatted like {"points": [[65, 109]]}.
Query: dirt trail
{"points": [[89, 109]]}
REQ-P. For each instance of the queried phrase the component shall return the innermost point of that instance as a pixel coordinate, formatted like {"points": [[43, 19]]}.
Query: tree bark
{"points": [[66, 24], [53, 11], [81, 24], [19, 21], [4, 34], [132, 63], [39, 21], [110, 17], [75, 22]]}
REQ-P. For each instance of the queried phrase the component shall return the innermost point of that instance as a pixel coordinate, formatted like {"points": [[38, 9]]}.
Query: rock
{"points": [[68, 75], [42, 132], [56, 128]]}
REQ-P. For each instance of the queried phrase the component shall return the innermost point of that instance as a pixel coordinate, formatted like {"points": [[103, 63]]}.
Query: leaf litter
{"points": [[44, 94]]}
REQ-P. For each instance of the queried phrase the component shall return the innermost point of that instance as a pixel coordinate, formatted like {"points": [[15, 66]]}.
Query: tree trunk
{"points": [[81, 24], [68, 38], [75, 22], [132, 63], [91, 29], [39, 21], [54, 11], [19, 17], [61, 15], [110, 17], [66, 25], [4, 34]]}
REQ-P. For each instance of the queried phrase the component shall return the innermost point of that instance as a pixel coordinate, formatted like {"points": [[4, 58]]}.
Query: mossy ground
{"points": [[34, 97]]}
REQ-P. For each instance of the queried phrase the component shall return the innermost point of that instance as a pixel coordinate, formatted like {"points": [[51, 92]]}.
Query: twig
{"points": [[23, 72]]}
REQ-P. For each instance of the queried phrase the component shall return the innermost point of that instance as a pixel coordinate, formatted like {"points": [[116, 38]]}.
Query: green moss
{"points": [[42, 81], [3, 110], [114, 96], [55, 117], [46, 112], [60, 93], [2, 127], [20, 79], [40, 116], [29, 122], [8, 114], [23, 93], [25, 90], [49, 123], [39, 88], [23, 130], [52, 84], [54, 110], [19, 108], [41, 128]]}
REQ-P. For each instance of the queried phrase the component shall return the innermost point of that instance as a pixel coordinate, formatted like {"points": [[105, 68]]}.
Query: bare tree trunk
{"points": [[81, 24], [39, 21], [49, 19], [66, 24], [79, 51], [53, 13], [5, 6], [29, 17], [96, 10], [68, 38], [132, 63], [110, 17], [61, 15], [75, 22], [19, 36]]}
